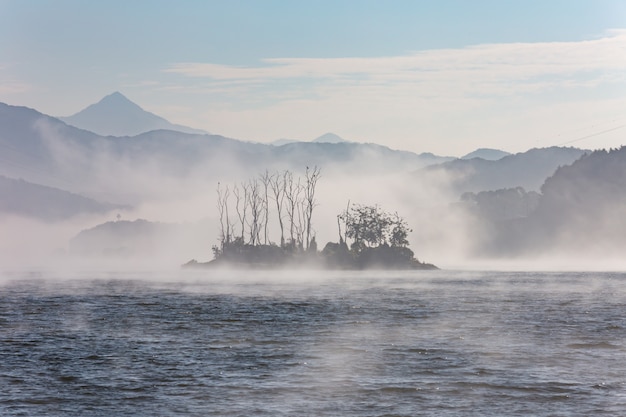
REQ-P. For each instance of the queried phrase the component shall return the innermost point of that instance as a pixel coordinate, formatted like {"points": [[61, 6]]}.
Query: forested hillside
{"points": [[582, 209]]}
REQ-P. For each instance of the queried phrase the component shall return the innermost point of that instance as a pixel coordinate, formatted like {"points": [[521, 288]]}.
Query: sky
{"points": [[446, 76]]}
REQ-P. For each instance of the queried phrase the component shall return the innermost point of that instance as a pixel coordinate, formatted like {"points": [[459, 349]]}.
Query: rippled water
{"points": [[343, 344]]}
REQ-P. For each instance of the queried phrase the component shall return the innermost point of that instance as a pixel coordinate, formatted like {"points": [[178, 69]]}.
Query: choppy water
{"points": [[406, 344]]}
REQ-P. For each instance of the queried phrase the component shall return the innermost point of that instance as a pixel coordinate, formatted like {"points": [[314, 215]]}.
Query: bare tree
{"points": [[312, 176], [293, 190], [255, 203], [300, 224], [295, 196], [222, 207], [278, 189], [266, 178], [241, 205], [340, 217]]}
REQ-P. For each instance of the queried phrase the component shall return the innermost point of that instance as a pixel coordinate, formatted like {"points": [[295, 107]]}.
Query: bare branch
{"points": [[277, 184], [312, 176]]}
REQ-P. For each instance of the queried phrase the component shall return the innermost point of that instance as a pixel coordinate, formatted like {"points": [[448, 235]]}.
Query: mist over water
{"points": [[163, 184], [185, 226], [305, 343], [109, 218], [98, 318]]}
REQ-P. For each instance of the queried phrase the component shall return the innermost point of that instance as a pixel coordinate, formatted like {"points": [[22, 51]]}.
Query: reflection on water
{"points": [[405, 344]]}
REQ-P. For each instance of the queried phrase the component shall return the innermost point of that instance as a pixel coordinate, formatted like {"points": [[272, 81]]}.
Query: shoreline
{"points": [[321, 265]]}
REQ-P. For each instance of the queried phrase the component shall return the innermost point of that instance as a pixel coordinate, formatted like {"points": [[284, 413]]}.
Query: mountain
{"points": [[351, 157], [592, 190], [22, 198], [115, 115], [486, 154], [40, 148], [120, 238], [500, 205], [580, 211], [281, 142], [44, 150], [157, 242], [329, 138], [325, 138], [527, 169]]}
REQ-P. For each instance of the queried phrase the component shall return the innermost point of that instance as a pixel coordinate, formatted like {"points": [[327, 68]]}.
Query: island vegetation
{"points": [[369, 237]]}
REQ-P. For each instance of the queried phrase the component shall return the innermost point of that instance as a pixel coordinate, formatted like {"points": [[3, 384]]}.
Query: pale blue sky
{"points": [[440, 76]]}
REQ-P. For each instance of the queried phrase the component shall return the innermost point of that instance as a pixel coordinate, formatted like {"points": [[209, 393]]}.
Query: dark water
{"points": [[406, 344]]}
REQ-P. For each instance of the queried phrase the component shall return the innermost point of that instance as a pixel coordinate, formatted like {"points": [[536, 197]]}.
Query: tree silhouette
{"points": [[277, 184], [370, 226], [379, 239], [291, 194], [312, 176]]}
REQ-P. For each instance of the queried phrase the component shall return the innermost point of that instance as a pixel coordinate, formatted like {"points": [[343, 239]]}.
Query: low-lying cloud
{"points": [[488, 94]]}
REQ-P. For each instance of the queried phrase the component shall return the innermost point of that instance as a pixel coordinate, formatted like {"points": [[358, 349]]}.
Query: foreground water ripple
{"points": [[402, 344]]}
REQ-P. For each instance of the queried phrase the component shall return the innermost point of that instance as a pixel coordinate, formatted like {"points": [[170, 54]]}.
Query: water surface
{"points": [[341, 344]]}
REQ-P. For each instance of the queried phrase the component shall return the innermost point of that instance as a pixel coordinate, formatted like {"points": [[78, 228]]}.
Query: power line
{"points": [[592, 135]]}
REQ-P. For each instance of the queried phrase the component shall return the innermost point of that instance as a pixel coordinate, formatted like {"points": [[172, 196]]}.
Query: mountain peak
{"points": [[487, 154], [116, 115], [329, 138], [117, 100], [115, 96]]}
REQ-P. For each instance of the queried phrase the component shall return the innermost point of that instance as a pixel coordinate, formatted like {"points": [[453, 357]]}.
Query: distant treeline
{"points": [[580, 209]]}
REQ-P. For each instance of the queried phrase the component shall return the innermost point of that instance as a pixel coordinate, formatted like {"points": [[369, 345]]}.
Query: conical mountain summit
{"points": [[116, 115]]}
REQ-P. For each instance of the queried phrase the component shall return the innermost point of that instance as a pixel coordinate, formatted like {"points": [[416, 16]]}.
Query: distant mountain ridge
{"points": [[281, 142], [116, 115], [22, 198], [329, 138], [44, 150], [487, 154], [325, 138], [526, 169], [579, 212], [68, 172]]}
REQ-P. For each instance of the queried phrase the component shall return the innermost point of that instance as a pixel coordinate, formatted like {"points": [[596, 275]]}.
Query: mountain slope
{"points": [[44, 150], [579, 212], [115, 115], [40, 148], [157, 242], [592, 189], [281, 142], [528, 170], [353, 157], [18, 197], [325, 138], [486, 154], [329, 138]]}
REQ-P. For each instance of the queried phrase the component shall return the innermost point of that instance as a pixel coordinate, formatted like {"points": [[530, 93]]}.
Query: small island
{"points": [[369, 237]]}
